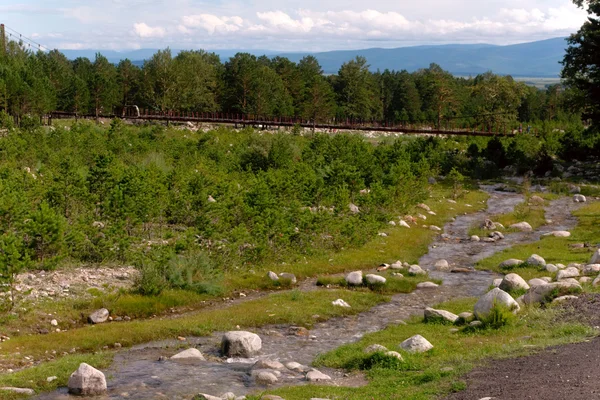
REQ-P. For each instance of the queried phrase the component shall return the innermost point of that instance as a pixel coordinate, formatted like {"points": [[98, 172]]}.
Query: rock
{"points": [[596, 281], [427, 285], [432, 315], [240, 344], [98, 225], [374, 348], [288, 277], [394, 354], [87, 381], [266, 378], [558, 234], [475, 324], [340, 303], [570, 272], [544, 293], [494, 297], [596, 257], [488, 240], [397, 265], [435, 228], [297, 331], [442, 265], [317, 376], [416, 344], [294, 366], [536, 261], [536, 200], [273, 276], [573, 189], [585, 279], [424, 207], [579, 198], [54, 322], [511, 263], [353, 208], [271, 397], [537, 282], [375, 279], [489, 225], [416, 270], [513, 282], [189, 354], [562, 299], [475, 238], [551, 268], [51, 379], [497, 282], [392, 223], [464, 318], [203, 396], [355, 278], [99, 316], [497, 235], [522, 226], [211, 199], [404, 224], [25, 391], [591, 269]]}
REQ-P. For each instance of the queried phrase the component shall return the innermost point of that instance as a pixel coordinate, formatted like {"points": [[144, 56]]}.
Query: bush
{"points": [[498, 317]]}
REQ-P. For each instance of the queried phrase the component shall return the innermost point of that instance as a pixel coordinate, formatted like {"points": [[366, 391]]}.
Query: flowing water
{"points": [[137, 374]]}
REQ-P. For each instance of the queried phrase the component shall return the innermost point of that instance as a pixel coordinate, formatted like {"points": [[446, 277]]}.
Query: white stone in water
{"points": [[87, 381], [355, 278], [189, 354], [442, 265], [522, 226], [416, 344], [494, 297], [375, 279], [340, 303], [268, 364], [475, 238], [240, 344], [317, 376], [266, 378], [297, 367], [416, 270]]}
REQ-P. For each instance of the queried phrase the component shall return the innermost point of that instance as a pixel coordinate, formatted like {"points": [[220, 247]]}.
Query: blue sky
{"points": [[284, 25]]}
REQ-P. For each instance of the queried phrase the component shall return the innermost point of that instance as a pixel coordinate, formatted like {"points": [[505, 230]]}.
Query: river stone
{"points": [[559, 234], [536, 200], [340, 303], [537, 282], [497, 235], [288, 277], [522, 226], [551, 268], [579, 198], [296, 367], [570, 272], [513, 282], [495, 296], [442, 265], [268, 364], [439, 315], [25, 391], [87, 381], [416, 344], [488, 240], [475, 238], [424, 207], [427, 285], [317, 376], [355, 278], [240, 344], [99, 316], [542, 293], [596, 257], [489, 225], [536, 261], [374, 279], [374, 348], [513, 262], [397, 265], [591, 269], [265, 378], [435, 228], [416, 270], [497, 282], [204, 396], [188, 354]]}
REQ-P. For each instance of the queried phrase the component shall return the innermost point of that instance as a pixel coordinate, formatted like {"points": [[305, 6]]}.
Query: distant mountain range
{"points": [[535, 59]]}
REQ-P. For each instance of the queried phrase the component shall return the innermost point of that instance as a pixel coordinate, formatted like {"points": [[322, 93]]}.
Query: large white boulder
{"points": [[513, 282], [570, 272], [544, 293], [558, 234], [317, 376], [375, 279], [87, 381], [537, 282], [189, 354], [522, 226], [416, 344], [579, 198], [355, 278], [240, 344], [536, 261], [591, 269], [99, 316], [442, 265], [494, 297], [439, 315]]}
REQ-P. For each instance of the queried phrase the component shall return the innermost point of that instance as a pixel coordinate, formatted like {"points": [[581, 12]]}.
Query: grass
{"points": [[553, 250], [438, 372]]}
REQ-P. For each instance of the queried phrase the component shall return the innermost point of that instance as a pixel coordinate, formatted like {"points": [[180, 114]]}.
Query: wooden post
{"points": [[2, 40]]}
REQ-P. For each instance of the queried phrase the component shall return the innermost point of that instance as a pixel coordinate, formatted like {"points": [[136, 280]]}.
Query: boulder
{"points": [[562, 299], [354, 208], [272, 276], [497, 235], [268, 364], [497, 282], [596, 257], [579, 198], [558, 234], [545, 293], [404, 224], [465, 318], [427, 285], [87, 381], [397, 265], [522, 227], [374, 348], [591, 269], [240, 344], [442, 265], [288, 277], [355, 278], [375, 279], [416, 270], [189, 354], [536, 200], [536, 261], [551, 268], [265, 378], [513, 282], [394, 354], [475, 238], [570, 272], [511, 263], [432, 315], [416, 344], [494, 297], [435, 228], [23, 391], [585, 279], [317, 376], [340, 303], [296, 367], [99, 316], [537, 282]]}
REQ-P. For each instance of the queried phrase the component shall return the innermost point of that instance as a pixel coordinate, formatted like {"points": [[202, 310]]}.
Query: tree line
{"points": [[33, 84]]}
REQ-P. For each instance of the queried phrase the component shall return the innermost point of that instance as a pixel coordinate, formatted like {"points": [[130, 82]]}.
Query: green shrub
{"points": [[498, 317]]}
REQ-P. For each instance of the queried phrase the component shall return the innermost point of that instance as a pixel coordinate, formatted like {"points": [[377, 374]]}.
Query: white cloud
{"points": [[211, 23], [145, 31]]}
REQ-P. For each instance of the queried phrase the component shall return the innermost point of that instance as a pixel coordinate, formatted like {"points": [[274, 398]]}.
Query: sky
{"points": [[286, 25]]}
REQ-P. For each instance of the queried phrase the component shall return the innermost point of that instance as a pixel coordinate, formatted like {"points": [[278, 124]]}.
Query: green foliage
{"points": [[45, 232], [498, 317], [13, 260], [456, 179]]}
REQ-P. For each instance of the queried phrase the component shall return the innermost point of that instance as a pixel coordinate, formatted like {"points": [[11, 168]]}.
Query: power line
{"points": [[11, 32]]}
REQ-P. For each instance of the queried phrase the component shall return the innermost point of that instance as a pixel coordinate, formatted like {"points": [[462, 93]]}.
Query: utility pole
{"points": [[2, 40]]}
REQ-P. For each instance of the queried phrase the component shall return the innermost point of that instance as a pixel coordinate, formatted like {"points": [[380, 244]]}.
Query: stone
{"points": [[431, 180], [99, 316], [432, 315], [435, 228], [475, 324], [442, 265], [51, 379], [240, 344], [394, 354], [427, 285], [392, 223], [497, 282], [288, 277], [296, 367], [273, 276], [489, 225], [25, 391], [591, 269], [355, 278], [374, 348], [494, 297], [497, 235], [54, 322], [537, 282], [475, 238], [513, 282], [596, 281], [87, 381], [570, 272], [544, 293], [340, 303], [511, 263], [558, 234], [536, 200], [211, 199], [266, 378], [465, 317], [416, 344], [579, 198], [536, 261], [416, 270], [562, 299], [488, 240], [354, 208], [424, 207], [404, 224], [522, 227], [203, 396], [585, 280], [574, 189], [317, 376], [189, 354], [375, 279], [397, 265], [595, 258], [271, 397], [551, 268]]}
